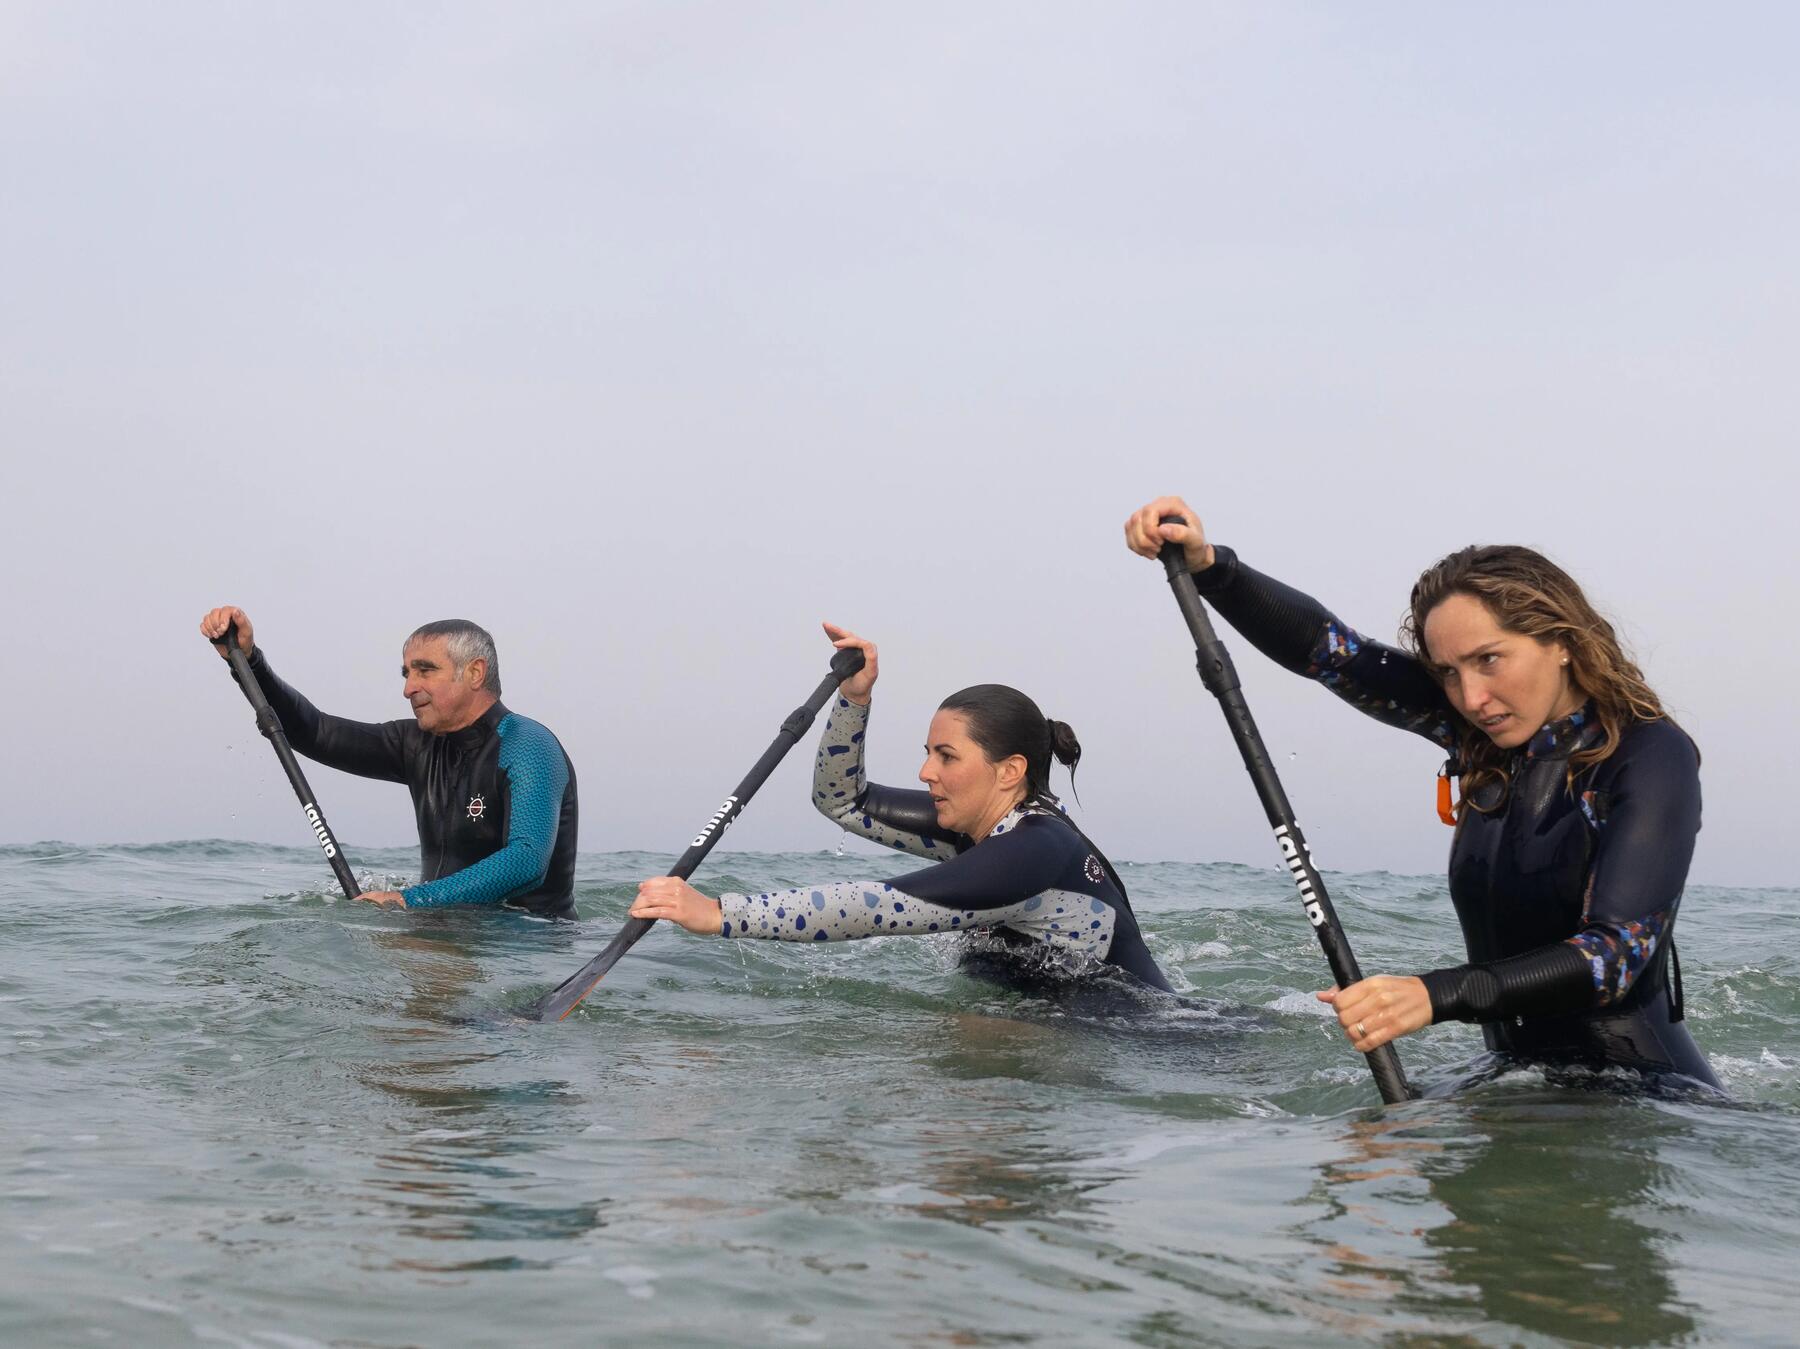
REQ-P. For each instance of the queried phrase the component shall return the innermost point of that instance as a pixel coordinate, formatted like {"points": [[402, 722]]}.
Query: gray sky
{"points": [[651, 334]]}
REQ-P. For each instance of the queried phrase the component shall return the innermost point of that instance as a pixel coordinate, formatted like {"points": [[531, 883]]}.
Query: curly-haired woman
{"points": [[1579, 798]]}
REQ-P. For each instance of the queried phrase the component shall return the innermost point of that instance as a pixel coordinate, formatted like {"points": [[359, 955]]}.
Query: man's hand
{"points": [[213, 626], [674, 900], [388, 899], [1381, 1008]]}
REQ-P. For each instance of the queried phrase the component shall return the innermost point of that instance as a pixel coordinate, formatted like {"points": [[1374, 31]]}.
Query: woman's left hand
{"points": [[1380, 1008], [673, 900]]}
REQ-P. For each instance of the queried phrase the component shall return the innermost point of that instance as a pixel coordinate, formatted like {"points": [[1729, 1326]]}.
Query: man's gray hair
{"points": [[467, 641]]}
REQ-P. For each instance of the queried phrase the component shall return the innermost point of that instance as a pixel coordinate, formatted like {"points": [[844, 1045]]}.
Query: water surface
{"points": [[242, 1111]]}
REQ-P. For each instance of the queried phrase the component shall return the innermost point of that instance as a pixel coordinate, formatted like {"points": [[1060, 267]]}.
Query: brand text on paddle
{"points": [[318, 824], [1297, 864], [720, 814]]}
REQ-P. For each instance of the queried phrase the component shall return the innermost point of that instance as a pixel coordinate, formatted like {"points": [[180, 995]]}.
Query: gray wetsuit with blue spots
{"points": [[1035, 876]]}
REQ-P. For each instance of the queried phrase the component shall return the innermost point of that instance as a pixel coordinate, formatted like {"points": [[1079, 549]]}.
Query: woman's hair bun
{"points": [[1063, 743]]}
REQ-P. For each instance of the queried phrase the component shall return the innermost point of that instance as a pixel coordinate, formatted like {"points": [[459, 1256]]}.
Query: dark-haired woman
{"points": [[1579, 798], [1007, 857]]}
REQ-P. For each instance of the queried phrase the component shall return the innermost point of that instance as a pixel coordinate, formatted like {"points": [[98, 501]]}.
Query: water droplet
{"points": [[840, 846], [1292, 755]]}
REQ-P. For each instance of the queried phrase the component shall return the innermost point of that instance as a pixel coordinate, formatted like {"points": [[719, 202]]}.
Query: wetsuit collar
{"points": [[1561, 738], [1019, 812], [477, 731]]}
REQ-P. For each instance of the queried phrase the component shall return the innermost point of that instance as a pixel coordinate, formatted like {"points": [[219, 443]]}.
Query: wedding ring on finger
{"points": [[1362, 1030]]}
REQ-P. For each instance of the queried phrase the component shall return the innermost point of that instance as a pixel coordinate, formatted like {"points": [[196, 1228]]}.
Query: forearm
{"points": [[894, 818], [298, 717], [368, 749], [1301, 635], [1279, 621], [517, 869], [1552, 980], [842, 911]]}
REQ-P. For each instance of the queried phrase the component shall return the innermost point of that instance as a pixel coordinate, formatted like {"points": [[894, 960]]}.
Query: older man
{"points": [[493, 792]]}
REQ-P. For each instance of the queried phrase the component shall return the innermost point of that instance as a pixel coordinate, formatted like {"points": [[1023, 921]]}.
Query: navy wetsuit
{"points": [[1566, 892], [1033, 879], [495, 801]]}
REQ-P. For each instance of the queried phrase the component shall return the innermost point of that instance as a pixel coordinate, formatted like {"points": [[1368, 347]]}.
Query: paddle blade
{"points": [[567, 996]]}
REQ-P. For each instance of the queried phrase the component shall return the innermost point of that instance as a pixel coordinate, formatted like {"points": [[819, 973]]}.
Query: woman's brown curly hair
{"points": [[1528, 593]]}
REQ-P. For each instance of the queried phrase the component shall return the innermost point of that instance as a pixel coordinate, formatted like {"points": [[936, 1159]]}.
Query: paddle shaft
{"points": [[1220, 678], [270, 725], [566, 996]]}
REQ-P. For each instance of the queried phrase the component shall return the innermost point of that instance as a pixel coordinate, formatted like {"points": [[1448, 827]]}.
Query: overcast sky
{"points": [[651, 334]]}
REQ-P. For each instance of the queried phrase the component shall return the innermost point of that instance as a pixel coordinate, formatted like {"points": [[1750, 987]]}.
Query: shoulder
{"points": [[1657, 747], [521, 738], [1048, 833]]}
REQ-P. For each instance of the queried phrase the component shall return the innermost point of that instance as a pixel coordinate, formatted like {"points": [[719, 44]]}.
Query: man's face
{"points": [[441, 699]]}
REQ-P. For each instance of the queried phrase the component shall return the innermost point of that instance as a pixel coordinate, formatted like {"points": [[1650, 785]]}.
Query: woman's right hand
{"points": [[673, 900], [857, 687], [213, 627], [1145, 534]]}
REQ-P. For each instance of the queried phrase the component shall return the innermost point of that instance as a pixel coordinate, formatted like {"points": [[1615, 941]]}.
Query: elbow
{"points": [[837, 805]]}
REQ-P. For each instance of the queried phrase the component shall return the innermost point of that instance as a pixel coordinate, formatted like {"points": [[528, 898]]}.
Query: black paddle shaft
{"points": [[1220, 677], [270, 725], [566, 996]]}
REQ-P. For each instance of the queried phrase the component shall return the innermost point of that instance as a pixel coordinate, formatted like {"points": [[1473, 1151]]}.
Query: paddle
{"points": [[566, 996], [1220, 678], [270, 725]]}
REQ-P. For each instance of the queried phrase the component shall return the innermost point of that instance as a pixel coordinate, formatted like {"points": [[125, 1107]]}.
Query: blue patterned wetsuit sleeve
{"points": [[1298, 633], [536, 776], [1645, 826], [903, 820], [1014, 879]]}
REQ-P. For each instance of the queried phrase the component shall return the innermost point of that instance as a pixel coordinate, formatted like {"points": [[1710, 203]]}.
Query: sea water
{"points": [[239, 1109]]}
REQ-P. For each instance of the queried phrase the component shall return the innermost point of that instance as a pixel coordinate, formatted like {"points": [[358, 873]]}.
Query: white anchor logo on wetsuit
{"points": [[477, 807]]}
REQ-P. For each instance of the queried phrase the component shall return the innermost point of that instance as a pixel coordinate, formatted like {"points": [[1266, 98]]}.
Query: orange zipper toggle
{"points": [[1446, 812]]}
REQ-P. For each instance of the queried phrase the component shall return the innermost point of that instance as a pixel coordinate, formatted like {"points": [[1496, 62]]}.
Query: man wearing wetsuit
{"points": [[493, 792]]}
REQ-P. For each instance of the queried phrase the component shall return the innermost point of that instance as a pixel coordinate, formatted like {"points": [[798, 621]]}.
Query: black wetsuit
{"points": [[1035, 880], [495, 801], [1566, 892]]}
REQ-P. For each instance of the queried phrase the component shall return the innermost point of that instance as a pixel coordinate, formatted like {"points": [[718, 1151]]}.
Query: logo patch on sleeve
{"points": [[477, 807], [1094, 871]]}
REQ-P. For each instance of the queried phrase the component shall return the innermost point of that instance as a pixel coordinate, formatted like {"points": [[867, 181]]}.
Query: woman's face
{"points": [[970, 792], [1504, 682]]}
